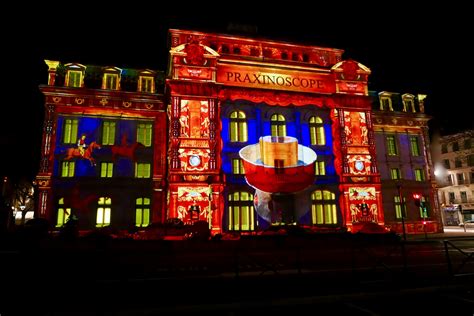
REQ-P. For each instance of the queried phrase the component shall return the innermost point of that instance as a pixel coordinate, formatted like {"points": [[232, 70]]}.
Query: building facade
{"points": [[455, 176], [405, 163], [116, 155], [104, 143]]}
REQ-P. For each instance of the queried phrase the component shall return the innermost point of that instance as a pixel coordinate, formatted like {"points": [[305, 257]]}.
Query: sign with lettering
{"points": [[276, 79]]}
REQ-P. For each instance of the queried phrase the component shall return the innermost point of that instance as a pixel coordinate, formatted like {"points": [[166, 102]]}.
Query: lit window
{"points": [[63, 213], [386, 103], [320, 168], [398, 207], [424, 207], [415, 148], [419, 175], [108, 133], [106, 169], [278, 125], [241, 213], [111, 79], [238, 127], [237, 166], [142, 212], [67, 169], [316, 130], [146, 84], [408, 102], [395, 174], [74, 75], [103, 211], [70, 131], [323, 207], [142, 170], [144, 132], [391, 146], [74, 78]]}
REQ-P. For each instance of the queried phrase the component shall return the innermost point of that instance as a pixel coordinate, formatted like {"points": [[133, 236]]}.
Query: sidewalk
{"points": [[449, 232]]}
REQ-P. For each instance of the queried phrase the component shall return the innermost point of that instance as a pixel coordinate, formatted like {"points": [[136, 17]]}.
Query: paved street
{"points": [[363, 275]]}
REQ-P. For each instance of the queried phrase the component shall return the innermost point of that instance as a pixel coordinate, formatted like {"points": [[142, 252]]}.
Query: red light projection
{"points": [[276, 79]]}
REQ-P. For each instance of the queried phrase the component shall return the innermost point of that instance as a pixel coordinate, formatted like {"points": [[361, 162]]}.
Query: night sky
{"points": [[409, 50]]}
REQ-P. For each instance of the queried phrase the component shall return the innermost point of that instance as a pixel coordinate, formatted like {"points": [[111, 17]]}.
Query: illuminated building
{"points": [[152, 162], [455, 177], [104, 143], [404, 161]]}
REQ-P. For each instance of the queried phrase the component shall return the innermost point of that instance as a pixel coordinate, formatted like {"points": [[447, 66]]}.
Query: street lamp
{"points": [[400, 196]]}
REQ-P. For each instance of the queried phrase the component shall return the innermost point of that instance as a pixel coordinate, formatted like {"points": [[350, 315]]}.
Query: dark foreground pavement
{"points": [[282, 275]]}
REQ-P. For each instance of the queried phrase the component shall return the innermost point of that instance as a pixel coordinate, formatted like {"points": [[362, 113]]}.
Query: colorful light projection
{"points": [[278, 167], [363, 204]]}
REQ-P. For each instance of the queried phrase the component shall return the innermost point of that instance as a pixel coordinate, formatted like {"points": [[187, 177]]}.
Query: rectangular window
{"points": [[106, 169], [446, 163], [424, 210], [144, 132], [444, 148], [320, 168], [142, 170], [419, 175], [460, 178], [391, 146], [398, 207], [449, 179], [108, 133], [463, 197], [467, 144], [452, 197], [457, 163], [103, 212], [470, 160], [395, 173], [237, 166], [67, 169], [110, 81], [455, 146], [74, 78], [70, 131], [142, 212], [103, 216], [146, 84], [415, 148]]}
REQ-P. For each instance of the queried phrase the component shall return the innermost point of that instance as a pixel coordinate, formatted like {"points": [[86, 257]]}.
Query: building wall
{"points": [[456, 181], [403, 124]]}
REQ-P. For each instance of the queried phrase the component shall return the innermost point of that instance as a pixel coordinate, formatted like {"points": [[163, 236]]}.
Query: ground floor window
{"points": [[323, 207], [142, 212], [241, 215], [104, 211]]}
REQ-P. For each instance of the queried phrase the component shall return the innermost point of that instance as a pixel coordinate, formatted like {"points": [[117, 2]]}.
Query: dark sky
{"points": [[408, 49]]}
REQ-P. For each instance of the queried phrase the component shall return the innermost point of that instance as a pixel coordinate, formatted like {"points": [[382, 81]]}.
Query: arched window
{"points": [[316, 130], [241, 213], [278, 125], [323, 207], [103, 211], [238, 127], [142, 212], [63, 213]]}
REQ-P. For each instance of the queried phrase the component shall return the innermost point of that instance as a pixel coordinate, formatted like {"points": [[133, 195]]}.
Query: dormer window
{"points": [[74, 75], [385, 99], [408, 103], [146, 81], [111, 79]]}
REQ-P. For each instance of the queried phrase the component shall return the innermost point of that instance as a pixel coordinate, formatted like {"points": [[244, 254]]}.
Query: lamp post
{"points": [[400, 196]]}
